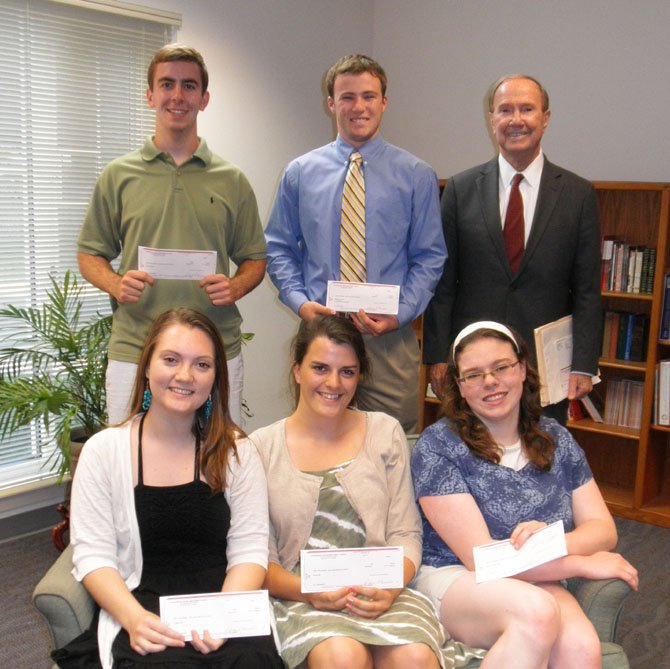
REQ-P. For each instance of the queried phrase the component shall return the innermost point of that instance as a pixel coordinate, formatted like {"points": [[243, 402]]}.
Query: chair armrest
{"points": [[63, 601], [602, 602]]}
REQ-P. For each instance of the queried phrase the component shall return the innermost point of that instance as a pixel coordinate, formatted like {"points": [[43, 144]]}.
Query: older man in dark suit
{"points": [[523, 250]]}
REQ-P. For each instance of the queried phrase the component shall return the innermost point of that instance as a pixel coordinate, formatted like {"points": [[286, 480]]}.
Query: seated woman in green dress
{"points": [[339, 478]]}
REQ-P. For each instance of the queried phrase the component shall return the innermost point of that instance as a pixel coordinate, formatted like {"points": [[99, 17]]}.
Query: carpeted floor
{"points": [[643, 629]]}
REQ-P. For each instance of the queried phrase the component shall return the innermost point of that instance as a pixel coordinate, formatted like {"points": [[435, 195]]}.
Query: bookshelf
{"points": [[631, 466]]}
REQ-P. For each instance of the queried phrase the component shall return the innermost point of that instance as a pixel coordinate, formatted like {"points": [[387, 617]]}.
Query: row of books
{"points": [[625, 336], [626, 268], [662, 393], [664, 330], [623, 402]]}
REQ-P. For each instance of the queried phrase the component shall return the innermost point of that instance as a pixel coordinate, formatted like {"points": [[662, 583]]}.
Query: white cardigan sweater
{"points": [[104, 530]]}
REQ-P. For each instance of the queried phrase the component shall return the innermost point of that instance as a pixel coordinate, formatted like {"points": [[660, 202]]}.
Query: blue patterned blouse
{"points": [[443, 465]]}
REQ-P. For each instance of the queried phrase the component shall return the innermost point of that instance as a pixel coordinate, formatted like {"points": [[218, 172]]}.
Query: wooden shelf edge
{"points": [[648, 297], [588, 425]]}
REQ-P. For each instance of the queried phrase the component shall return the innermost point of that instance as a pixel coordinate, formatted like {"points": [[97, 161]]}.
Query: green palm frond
{"points": [[53, 369]]}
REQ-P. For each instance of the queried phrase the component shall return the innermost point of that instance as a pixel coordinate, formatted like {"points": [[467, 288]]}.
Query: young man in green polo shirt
{"points": [[171, 194]]}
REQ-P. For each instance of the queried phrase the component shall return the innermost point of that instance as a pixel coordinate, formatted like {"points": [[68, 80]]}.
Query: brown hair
{"points": [[499, 82], [355, 63], [178, 52], [538, 445], [218, 432], [336, 328]]}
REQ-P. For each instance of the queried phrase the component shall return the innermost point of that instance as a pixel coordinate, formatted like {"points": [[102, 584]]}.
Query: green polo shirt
{"points": [[144, 199]]}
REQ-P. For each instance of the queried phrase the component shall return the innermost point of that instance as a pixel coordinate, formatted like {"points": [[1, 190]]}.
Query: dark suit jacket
{"points": [[559, 273]]}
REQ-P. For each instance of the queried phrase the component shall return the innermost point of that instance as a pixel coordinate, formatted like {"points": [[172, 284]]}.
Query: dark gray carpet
{"points": [[643, 629]]}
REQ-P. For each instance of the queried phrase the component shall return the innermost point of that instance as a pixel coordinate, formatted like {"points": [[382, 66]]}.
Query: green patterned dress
{"points": [[411, 618]]}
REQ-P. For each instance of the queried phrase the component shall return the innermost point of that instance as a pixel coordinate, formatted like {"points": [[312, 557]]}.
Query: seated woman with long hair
{"points": [[339, 478], [172, 501], [494, 468]]}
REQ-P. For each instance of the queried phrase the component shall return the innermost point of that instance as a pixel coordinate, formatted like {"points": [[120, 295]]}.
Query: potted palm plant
{"points": [[53, 370]]}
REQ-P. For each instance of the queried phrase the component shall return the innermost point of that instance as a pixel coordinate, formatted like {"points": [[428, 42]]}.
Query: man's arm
{"points": [[426, 248], [125, 289], [285, 244], [224, 291], [587, 302]]}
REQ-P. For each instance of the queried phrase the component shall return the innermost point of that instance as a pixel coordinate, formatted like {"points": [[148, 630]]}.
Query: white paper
{"points": [[500, 559], [224, 614], [553, 343], [331, 569], [373, 298], [176, 263]]}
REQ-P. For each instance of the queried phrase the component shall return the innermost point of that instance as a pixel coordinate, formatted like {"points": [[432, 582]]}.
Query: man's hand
{"points": [[131, 285], [579, 385], [310, 310], [438, 378], [221, 289], [374, 324]]}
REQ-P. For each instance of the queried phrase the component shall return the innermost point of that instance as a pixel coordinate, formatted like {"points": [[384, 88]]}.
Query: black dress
{"points": [[183, 533]]}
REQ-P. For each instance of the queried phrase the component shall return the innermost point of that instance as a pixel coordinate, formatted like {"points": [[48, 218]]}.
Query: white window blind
{"points": [[73, 82]]}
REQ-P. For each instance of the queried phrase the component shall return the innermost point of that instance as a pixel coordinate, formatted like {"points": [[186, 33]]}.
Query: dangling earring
{"points": [[146, 399], [207, 408]]}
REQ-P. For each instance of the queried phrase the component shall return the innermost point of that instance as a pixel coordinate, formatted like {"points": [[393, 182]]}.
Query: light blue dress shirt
{"points": [[404, 239]]}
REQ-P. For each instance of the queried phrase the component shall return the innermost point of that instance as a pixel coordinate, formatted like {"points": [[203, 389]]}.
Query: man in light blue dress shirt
{"points": [[403, 234]]}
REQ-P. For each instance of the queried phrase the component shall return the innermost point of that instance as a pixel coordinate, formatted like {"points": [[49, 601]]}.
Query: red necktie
{"points": [[513, 232]]}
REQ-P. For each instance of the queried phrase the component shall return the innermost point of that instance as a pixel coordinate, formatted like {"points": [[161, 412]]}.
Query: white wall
{"points": [[604, 62]]}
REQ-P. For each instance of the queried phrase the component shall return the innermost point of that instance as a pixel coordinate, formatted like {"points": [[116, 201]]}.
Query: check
{"points": [[500, 559], [330, 569], [374, 298], [176, 263], [224, 614]]}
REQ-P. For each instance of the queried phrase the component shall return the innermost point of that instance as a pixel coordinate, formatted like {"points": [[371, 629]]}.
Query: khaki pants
{"points": [[394, 385]]}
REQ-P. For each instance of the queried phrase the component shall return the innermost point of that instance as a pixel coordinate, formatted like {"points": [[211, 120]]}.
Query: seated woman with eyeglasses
{"points": [[494, 468]]}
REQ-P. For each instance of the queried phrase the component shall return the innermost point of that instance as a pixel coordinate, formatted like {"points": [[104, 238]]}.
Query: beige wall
{"points": [[605, 63]]}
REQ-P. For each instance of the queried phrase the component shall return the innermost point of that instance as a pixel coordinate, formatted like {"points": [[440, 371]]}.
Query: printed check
{"points": [[500, 559], [331, 569], [176, 263], [374, 298], [225, 615]]}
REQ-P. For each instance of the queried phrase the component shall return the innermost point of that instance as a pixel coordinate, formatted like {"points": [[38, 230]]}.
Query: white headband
{"points": [[484, 325]]}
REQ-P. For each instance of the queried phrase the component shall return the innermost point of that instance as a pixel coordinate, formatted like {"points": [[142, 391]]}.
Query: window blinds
{"points": [[73, 81]]}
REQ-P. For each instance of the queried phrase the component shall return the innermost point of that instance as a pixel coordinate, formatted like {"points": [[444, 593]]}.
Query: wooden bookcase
{"points": [[632, 467]]}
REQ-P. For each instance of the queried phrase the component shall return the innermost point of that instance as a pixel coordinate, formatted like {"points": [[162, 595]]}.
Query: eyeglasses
{"points": [[474, 379]]}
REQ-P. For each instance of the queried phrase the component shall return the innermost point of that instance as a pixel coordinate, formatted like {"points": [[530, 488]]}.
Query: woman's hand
{"points": [[523, 531], [370, 602], [205, 644], [328, 601], [149, 635], [604, 564]]}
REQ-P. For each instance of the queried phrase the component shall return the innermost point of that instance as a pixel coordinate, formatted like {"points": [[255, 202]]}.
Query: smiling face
{"points": [[495, 400], [176, 96], [327, 376], [518, 121], [181, 370], [358, 106]]}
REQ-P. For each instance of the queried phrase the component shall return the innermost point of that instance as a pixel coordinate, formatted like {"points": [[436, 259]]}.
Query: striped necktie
{"points": [[513, 232], [352, 226]]}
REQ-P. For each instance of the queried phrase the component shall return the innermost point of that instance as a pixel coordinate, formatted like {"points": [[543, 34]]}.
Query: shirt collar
{"points": [[150, 151], [532, 174], [369, 150]]}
